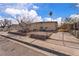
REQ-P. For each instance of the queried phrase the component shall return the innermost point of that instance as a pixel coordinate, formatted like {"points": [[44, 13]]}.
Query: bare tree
{"points": [[25, 22], [9, 24], [5, 24]]}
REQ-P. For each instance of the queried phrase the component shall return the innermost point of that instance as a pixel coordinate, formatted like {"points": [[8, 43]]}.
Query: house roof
{"points": [[45, 22]]}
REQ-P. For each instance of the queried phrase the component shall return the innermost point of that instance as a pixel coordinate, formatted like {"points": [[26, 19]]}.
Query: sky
{"points": [[58, 9], [38, 11]]}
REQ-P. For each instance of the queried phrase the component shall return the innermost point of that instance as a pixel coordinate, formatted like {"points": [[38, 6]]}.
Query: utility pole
{"points": [[75, 26], [62, 32]]}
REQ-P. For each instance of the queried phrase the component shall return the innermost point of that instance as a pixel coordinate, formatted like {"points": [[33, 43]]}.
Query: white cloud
{"points": [[35, 7], [33, 13], [38, 19], [12, 11], [48, 19], [23, 10], [12, 20], [19, 8], [74, 16], [58, 20], [1, 18], [77, 5]]}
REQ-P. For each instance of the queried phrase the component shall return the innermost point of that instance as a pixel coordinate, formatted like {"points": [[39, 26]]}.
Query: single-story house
{"points": [[44, 26]]}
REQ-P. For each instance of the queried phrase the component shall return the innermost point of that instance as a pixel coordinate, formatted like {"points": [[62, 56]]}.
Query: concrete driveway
{"points": [[64, 38]]}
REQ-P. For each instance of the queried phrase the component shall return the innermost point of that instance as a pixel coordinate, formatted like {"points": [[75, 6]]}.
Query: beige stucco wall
{"points": [[45, 25]]}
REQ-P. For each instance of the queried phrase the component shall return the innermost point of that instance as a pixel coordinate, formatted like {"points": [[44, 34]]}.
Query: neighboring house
{"points": [[65, 27], [44, 26], [76, 26], [15, 27]]}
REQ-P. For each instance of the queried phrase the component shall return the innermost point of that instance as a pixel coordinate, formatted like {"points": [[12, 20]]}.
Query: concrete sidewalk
{"points": [[64, 36]]}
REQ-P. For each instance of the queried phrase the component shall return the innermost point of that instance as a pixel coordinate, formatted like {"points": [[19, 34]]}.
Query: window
{"points": [[41, 28], [46, 28]]}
